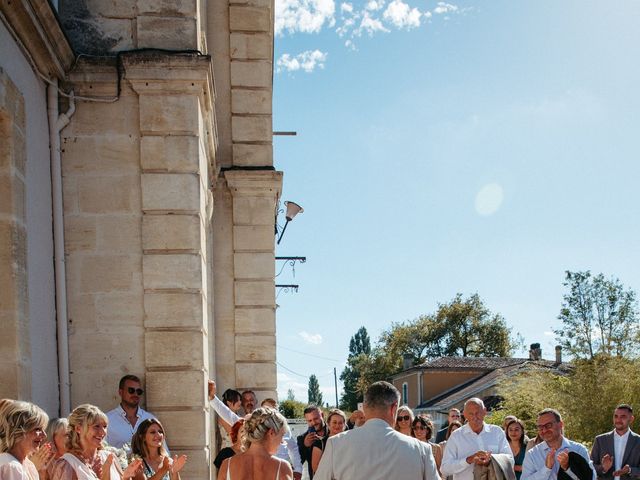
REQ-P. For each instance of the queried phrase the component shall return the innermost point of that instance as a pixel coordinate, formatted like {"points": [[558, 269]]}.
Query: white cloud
{"points": [[369, 25], [314, 338], [374, 5], [306, 16], [549, 334], [307, 61], [401, 15], [444, 7], [346, 7]]}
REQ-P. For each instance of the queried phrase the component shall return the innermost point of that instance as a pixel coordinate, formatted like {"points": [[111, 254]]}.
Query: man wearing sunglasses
{"points": [[125, 418]]}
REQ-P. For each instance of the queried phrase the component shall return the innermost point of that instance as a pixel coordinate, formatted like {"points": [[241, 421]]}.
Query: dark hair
{"points": [[138, 445], [311, 408], [452, 424], [524, 433], [133, 378], [625, 406], [425, 421], [552, 411], [231, 396], [381, 395]]}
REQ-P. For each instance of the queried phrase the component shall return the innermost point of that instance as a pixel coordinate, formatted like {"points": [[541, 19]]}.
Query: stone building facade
{"points": [[137, 216]]}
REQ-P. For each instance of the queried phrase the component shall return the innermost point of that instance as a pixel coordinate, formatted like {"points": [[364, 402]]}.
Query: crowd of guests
{"points": [[384, 440], [126, 443]]}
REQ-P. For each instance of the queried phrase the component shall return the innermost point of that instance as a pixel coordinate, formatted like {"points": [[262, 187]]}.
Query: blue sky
{"points": [[450, 147]]}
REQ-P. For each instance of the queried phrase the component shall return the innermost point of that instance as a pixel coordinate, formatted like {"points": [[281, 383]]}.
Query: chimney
{"points": [[407, 361], [558, 354], [536, 352]]}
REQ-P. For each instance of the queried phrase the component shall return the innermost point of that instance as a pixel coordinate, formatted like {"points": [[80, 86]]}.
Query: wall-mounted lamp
{"points": [[292, 210]]}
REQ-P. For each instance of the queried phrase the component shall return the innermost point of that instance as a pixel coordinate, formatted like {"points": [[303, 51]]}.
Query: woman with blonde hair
{"points": [[86, 458], [263, 431], [21, 435], [336, 421], [148, 444], [57, 435], [404, 419]]}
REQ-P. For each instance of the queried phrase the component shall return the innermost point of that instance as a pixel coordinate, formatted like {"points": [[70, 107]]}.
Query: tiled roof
{"points": [[471, 388], [473, 363]]}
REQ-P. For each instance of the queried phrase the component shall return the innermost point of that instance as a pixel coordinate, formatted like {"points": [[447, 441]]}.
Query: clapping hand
{"points": [[626, 470], [132, 469], [563, 459], [42, 457], [211, 389], [606, 462], [178, 463], [551, 459]]}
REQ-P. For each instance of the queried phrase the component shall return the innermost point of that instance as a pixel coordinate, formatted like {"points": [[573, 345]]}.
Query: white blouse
{"points": [[12, 469]]}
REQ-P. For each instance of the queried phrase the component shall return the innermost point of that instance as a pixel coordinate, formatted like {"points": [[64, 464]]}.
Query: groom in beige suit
{"points": [[376, 450]]}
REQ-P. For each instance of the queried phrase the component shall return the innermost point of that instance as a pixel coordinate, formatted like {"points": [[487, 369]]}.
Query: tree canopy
{"points": [[599, 317], [461, 327], [586, 397]]}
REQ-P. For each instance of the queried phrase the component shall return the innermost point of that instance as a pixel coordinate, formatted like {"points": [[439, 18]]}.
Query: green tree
{"points": [[461, 327], [290, 394], [599, 317], [315, 396], [292, 408], [359, 345], [586, 396]]}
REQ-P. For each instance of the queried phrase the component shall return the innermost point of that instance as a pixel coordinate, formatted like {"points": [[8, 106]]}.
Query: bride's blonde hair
{"points": [[260, 422]]}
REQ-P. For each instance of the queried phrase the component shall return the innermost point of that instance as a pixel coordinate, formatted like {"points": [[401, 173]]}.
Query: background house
{"points": [[137, 205], [443, 383]]}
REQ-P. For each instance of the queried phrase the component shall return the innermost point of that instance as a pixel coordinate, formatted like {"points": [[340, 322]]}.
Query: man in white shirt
{"points": [[616, 454], [126, 417], [551, 459], [375, 450], [473, 444]]}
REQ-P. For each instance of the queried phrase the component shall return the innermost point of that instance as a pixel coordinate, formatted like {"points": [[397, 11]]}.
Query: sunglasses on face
{"points": [[137, 391], [404, 418], [419, 426]]}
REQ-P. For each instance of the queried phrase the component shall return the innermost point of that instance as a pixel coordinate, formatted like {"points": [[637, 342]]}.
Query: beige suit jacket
{"points": [[376, 451]]}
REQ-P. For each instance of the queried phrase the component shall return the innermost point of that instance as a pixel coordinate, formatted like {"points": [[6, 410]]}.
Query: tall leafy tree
{"points": [[315, 396], [599, 317], [359, 346], [461, 327]]}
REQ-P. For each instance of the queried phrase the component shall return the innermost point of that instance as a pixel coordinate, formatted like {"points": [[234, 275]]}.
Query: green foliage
{"points": [[359, 346], [586, 397], [290, 394], [599, 317], [462, 327], [315, 396], [292, 408]]}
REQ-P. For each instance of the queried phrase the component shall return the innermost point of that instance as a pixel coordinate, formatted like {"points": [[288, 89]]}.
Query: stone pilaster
{"points": [[251, 54], [176, 155], [254, 195], [15, 350]]}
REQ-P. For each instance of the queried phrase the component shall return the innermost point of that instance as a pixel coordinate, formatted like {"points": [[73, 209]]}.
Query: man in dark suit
{"points": [[454, 415], [616, 455]]}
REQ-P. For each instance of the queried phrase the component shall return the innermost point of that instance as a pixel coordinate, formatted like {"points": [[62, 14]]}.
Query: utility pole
{"points": [[335, 381]]}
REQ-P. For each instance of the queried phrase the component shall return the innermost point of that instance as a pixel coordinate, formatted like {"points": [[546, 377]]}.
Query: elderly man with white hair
{"points": [[473, 444]]}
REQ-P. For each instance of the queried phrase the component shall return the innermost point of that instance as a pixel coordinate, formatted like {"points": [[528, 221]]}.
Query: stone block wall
{"points": [[100, 26], [15, 348], [136, 197]]}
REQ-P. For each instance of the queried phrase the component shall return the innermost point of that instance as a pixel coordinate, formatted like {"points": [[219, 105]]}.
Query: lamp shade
{"points": [[292, 210]]}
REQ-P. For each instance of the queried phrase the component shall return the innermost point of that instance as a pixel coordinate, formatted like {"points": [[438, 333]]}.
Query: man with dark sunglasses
{"points": [[125, 418]]}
